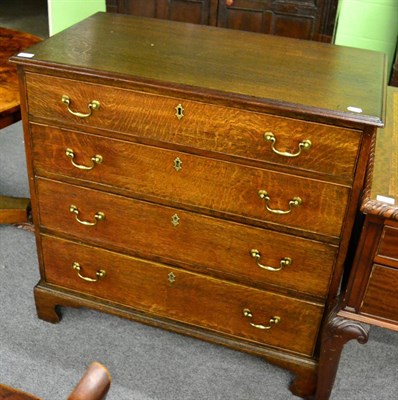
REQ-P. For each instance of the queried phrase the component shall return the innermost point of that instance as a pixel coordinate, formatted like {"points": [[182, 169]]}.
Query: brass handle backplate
{"points": [[93, 105], [303, 145], [95, 160], [99, 216], [294, 202], [99, 274], [284, 262], [272, 321]]}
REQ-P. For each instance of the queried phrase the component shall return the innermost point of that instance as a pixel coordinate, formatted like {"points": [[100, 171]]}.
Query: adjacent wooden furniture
{"points": [[11, 42], [12, 210], [94, 385], [306, 19], [177, 187], [394, 70], [371, 296]]}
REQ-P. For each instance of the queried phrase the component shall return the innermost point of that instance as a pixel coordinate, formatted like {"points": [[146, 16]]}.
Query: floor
{"points": [[25, 15]]}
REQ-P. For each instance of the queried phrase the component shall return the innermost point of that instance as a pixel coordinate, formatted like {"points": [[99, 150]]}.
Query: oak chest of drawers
{"points": [[182, 178]]}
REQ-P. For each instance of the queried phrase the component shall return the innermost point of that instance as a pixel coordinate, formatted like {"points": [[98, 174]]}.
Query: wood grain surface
{"points": [[325, 78], [11, 42]]}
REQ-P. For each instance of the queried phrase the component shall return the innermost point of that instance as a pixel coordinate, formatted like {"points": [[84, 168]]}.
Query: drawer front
{"points": [[218, 129], [381, 297], [184, 296], [388, 247], [210, 184], [185, 238]]}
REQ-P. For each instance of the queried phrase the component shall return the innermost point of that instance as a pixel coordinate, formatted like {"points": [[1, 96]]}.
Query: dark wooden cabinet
{"points": [[193, 11], [303, 19]]}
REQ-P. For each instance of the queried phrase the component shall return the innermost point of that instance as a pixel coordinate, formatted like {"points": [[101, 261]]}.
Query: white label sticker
{"points": [[354, 109], [26, 55], [384, 199]]}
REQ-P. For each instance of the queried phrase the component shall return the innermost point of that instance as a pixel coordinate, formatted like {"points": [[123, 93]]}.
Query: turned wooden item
{"points": [[178, 187], [12, 210], [94, 385]]}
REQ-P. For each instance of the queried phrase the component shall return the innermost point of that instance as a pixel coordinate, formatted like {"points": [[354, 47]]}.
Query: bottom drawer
{"points": [[201, 301], [381, 296]]}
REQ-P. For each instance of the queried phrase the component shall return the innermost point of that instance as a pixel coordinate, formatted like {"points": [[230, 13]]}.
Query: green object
{"points": [[64, 13], [368, 24]]}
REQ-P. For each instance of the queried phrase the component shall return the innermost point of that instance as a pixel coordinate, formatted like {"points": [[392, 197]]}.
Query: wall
{"points": [[368, 24], [64, 13]]}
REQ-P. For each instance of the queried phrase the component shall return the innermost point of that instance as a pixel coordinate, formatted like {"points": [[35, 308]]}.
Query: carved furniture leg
{"points": [[337, 332], [304, 383]]}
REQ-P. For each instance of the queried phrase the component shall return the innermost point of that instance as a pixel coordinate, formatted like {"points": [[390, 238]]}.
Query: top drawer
{"points": [[236, 132]]}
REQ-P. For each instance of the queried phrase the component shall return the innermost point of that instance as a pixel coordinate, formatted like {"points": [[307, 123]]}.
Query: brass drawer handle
{"points": [[304, 145], [95, 160], [294, 202], [99, 274], [284, 262], [93, 105], [273, 321], [99, 216]]}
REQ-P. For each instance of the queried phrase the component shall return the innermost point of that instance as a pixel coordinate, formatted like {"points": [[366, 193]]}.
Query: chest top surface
{"points": [[315, 77]]}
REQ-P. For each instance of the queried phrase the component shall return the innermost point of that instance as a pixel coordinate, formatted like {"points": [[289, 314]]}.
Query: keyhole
{"points": [[177, 164], [179, 111], [171, 277], [175, 220]]}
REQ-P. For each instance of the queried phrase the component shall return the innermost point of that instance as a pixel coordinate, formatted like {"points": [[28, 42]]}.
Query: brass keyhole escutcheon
{"points": [[179, 111], [177, 164], [171, 277], [175, 220]]}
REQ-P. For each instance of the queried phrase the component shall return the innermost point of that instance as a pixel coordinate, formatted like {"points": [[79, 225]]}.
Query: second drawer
{"points": [[186, 238]]}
